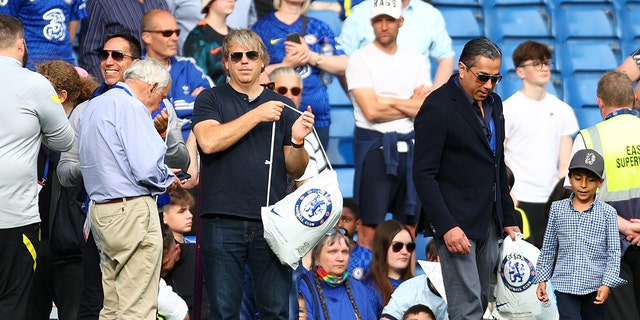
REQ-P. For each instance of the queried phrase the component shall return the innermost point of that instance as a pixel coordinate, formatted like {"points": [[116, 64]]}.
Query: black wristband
{"points": [[296, 145]]}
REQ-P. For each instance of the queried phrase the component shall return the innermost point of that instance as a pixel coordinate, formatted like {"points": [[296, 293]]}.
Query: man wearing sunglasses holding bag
{"points": [[387, 84], [461, 177], [235, 125]]}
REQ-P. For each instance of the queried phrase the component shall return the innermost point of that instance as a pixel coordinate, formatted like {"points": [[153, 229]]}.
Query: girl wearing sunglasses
{"points": [[393, 247]]}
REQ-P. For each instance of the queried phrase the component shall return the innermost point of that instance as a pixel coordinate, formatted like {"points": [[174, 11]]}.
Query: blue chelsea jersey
{"points": [[274, 33], [46, 26]]}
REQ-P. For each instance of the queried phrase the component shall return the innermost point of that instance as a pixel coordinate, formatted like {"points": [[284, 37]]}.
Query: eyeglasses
{"points": [[538, 64], [294, 91], [165, 33], [397, 246], [483, 77], [269, 85], [237, 56], [335, 230], [115, 55]]}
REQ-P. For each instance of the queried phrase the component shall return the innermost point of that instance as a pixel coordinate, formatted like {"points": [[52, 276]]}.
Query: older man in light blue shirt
{"points": [[423, 31], [121, 159]]}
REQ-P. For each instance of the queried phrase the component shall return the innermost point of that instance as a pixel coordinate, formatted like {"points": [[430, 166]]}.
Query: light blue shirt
{"points": [[588, 248], [423, 30], [411, 292], [121, 153]]}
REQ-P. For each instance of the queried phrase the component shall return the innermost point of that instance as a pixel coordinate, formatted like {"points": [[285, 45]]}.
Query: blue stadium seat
{"points": [[464, 3], [337, 96], [630, 26], [586, 20], [588, 56], [330, 17], [345, 181], [588, 116], [527, 22], [421, 246], [463, 22], [491, 3], [340, 149], [580, 93]]}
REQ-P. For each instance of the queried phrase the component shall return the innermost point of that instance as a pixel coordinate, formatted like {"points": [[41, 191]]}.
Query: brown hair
{"points": [[64, 76], [181, 197], [530, 50], [379, 268], [615, 89]]}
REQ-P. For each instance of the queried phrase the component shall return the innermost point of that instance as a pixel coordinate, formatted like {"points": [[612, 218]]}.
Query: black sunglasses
{"points": [[115, 55], [165, 33], [397, 246], [294, 91], [268, 85], [483, 77], [237, 56]]}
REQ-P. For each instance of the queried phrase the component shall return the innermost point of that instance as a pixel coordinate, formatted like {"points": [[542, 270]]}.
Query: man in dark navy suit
{"points": [[460, 176]]}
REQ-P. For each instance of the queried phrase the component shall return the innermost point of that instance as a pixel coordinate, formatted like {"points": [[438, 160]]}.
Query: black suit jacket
{"points": [[458, 178]]}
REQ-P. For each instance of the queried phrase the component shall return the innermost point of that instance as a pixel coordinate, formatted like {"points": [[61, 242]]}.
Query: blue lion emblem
{"points": [[517, 272], [313, 207]]}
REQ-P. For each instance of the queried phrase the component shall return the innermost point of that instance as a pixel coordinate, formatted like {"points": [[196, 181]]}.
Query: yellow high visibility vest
{"points": [[618, 141]]}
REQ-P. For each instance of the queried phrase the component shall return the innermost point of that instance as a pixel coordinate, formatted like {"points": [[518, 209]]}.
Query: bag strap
{"points": [[273, 140], [313, 293], [305, 20]]}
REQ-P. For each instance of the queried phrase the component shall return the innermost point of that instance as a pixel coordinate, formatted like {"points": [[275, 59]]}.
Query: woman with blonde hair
{"points": [[295, 40]]}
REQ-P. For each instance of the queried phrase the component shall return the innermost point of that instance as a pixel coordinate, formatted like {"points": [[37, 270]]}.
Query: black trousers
{"points": [[18, 249], [57, 279], [92, 295]]}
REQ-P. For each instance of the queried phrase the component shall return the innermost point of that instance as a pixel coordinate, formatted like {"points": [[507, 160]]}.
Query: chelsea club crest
{"points": [[517, 272], [313, 207]]}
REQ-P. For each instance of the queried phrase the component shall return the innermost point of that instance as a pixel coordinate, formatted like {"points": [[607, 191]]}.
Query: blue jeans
{"points": [[228, 244]]}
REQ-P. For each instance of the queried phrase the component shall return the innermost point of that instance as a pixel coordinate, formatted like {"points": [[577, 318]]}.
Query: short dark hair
{"points": [[134, 43], [530, 50], [479, 47], [417, 309], [352, 205], [10, 31], [589, 173]]}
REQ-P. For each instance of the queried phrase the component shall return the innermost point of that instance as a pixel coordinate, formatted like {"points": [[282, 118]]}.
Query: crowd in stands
{"points": [[131, 127]]}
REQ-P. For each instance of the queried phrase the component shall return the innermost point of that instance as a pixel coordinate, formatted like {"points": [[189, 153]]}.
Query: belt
{"points": [[118, 200]]}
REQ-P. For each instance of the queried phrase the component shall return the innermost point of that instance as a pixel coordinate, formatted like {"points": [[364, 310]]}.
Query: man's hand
{"points": [[634, 238], [269, 111], [511, 231], [457, 241], [303, 125], [161, 121], [541, 292], [421, 92], [177, 183], [602, 295], [197, 91]]}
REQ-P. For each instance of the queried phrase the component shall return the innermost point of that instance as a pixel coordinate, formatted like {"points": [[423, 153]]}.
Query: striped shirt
{"points": [[587, 245]]}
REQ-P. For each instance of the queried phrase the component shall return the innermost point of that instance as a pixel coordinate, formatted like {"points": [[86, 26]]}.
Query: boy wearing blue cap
{"points": [[583, 232]]}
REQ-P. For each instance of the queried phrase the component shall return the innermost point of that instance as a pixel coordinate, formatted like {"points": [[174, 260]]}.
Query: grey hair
{"points": [[479, 47], [285, 71], [329, 240], [149, 71]]}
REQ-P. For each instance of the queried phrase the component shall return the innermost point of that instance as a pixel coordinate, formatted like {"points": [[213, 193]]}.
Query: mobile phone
{"points": [[182, 175], [293, 37]]}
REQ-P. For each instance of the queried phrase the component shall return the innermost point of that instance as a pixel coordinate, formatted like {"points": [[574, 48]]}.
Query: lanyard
{"points": [[123, 88]]}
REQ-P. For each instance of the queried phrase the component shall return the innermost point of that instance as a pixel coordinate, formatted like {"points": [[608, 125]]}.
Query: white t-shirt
{"points": [[170, 305], [394, 76], [533, 130]]}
